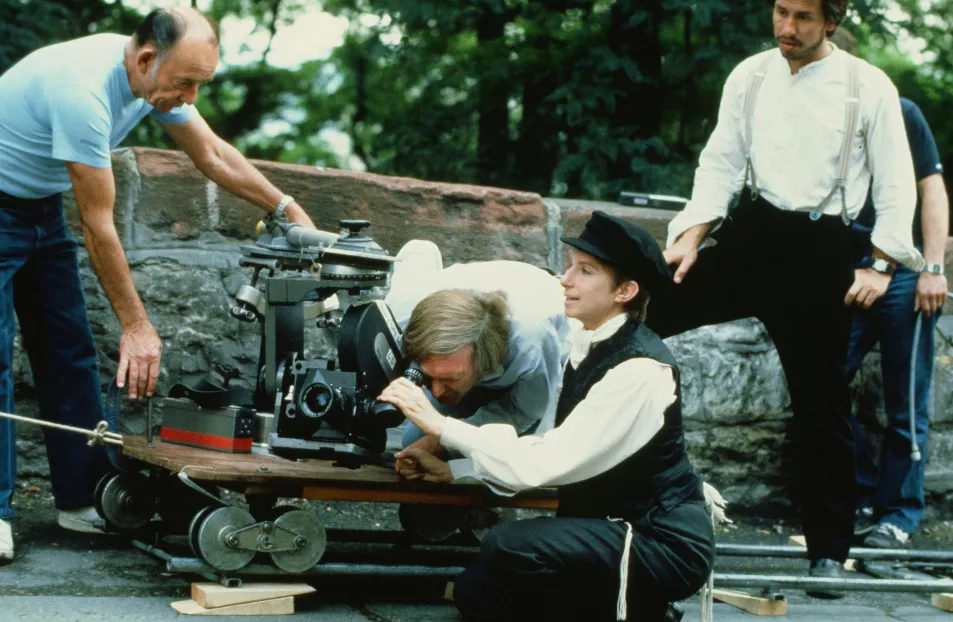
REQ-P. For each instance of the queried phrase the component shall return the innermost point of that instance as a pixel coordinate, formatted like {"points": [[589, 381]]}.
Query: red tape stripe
{"points": [[205, 440]]}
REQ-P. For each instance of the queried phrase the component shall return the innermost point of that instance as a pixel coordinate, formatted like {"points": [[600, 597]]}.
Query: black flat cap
{"points": [[629, 248]]}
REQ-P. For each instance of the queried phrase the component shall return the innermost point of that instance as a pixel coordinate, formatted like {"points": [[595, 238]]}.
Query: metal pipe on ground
{"points": [[461, 546], [197, 566], [799, 552], [846, 585]]}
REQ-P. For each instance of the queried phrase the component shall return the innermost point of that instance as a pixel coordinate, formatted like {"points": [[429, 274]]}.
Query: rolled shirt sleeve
{"points": [[894, 188]]}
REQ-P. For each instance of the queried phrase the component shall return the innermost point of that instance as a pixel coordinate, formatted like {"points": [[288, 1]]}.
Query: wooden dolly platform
{"points": [[182, 485], [252, 474]]}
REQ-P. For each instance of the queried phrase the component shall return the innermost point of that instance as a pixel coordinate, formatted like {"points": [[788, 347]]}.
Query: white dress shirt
{"points": [[797, 135], [619, 415]]}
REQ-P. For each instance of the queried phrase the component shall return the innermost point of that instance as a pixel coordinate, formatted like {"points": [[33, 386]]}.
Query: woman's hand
{"points": [[419, 464], [411, 401]]}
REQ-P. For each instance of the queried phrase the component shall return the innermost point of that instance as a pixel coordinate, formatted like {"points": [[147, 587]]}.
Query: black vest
{"points": [[659, 474]]}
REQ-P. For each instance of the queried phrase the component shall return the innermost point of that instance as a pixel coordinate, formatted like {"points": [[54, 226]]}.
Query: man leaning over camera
{"points": [[491, 338]]}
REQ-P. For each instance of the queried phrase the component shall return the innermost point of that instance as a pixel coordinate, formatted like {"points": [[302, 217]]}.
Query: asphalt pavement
{"points": [[63, 576]]}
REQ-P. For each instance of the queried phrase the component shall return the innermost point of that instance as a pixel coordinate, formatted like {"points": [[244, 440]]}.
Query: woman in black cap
{"points": [[632, 533]]}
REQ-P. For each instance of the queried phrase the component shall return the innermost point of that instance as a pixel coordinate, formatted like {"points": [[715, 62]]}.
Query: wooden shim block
{"points": [[797, 541], [752, 604], [271, 607], [448, 591], [213, 595], [942, 601]]}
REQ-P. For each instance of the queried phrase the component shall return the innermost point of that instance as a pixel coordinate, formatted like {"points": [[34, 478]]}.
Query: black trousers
{"points": [[561, 569], [791, 273]]}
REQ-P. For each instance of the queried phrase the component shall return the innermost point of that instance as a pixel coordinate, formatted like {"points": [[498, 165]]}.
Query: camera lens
{"points": [[316, 400], [415, 374]]}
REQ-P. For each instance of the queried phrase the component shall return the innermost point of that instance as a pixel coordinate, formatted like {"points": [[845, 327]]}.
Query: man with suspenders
{"points": [[801, 132]]}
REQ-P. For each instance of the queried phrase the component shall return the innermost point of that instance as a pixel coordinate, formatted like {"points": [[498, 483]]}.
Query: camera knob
{"points": [[243, 313], [352, 228]]}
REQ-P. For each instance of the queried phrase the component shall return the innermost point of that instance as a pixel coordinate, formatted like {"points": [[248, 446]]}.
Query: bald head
{"points": [[164, 28], [172, 53]]}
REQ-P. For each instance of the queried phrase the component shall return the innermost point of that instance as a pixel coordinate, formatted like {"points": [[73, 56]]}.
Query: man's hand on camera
{"points": [[140, 352], [869, 285], [419, 464], [412, 401]]}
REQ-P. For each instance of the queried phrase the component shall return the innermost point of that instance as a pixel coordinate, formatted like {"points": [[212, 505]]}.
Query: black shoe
{"points": [[673, 613], [824, 568], [864, 522]]}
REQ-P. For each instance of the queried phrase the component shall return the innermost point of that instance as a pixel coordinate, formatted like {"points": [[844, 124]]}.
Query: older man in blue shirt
{"points": [[62, 109]]}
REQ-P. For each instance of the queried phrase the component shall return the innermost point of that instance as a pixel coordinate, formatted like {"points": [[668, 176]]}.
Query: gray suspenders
{"points": [[851, 110], [750, 99]]}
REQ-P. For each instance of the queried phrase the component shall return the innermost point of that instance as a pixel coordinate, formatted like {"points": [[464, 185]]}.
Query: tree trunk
{"points": [[493, 134], [638, 110]]}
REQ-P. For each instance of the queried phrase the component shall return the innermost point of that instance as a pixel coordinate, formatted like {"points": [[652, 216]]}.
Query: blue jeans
{"points": [[894, 486], [40, 282]]}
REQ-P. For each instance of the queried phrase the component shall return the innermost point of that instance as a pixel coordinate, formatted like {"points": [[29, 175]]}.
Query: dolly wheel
{"points": [[310, 541], [216, 540]]}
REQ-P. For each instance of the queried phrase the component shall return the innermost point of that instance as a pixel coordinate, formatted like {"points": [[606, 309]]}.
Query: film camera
{"points": [[328, 408], [318, 407]]}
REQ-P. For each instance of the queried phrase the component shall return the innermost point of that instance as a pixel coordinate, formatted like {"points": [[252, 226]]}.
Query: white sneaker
{"points": [[83, 520], [6, 540], [886, 536]]}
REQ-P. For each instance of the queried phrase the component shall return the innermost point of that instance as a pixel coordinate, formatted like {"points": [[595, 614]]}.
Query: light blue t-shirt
{"points": [[69, 102]]}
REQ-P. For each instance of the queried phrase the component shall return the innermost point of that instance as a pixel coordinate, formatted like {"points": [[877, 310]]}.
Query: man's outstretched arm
{"points": [[227, 167]]}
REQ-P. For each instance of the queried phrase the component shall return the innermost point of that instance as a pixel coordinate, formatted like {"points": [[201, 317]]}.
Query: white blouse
{"points": [[620, 415]]}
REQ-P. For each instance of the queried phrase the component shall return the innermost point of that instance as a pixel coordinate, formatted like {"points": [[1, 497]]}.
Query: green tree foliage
{"points": [[925, 73], [580, 98], [577, 97], [28, 24]]}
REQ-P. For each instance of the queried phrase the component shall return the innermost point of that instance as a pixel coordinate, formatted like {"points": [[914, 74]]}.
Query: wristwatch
{"points": [[882, 266], [934, 268], [280, 209]]}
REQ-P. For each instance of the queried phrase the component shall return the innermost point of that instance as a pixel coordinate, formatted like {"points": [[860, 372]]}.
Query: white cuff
{"points": [[285, 201]]}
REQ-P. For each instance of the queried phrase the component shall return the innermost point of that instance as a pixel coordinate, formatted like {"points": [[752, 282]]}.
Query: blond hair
{"points": [[448, 320]]}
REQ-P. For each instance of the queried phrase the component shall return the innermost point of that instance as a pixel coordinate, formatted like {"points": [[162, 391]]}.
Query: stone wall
{"points": [[182, 236]]}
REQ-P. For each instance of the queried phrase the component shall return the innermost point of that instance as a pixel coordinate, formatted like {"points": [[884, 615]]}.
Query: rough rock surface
{"points": [[183, 234]]}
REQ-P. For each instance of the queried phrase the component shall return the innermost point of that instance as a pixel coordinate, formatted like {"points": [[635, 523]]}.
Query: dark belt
{"points": [[29, 206]]}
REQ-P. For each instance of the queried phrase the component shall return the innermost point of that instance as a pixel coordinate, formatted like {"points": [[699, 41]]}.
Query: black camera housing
{"points": [[331, 411]]}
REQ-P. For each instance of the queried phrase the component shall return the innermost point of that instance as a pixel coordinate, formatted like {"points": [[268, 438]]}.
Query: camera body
{"points": [[323, 407], [328, 408], [308, 407]]}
